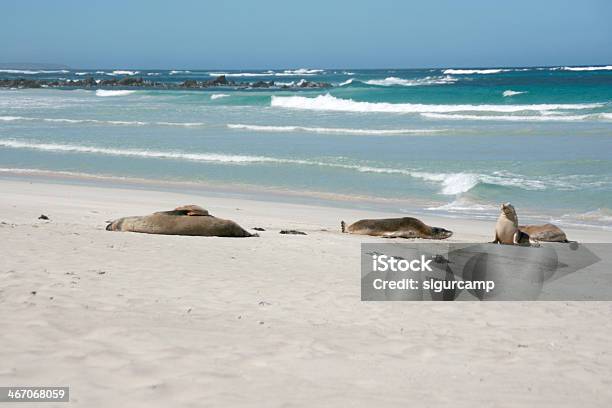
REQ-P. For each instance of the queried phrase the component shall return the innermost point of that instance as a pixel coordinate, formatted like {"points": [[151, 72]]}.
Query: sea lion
{"points": [[406, 227], [507, 230], [544, 232], [184, 220]]}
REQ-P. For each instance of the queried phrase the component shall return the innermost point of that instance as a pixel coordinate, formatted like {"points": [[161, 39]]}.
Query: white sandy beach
{"points": [[135, 320]]}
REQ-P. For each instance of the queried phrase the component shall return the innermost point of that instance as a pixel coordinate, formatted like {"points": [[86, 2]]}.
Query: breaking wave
{"points": [[123, 72], [394, 81], [328, 102], [265, 128], [595, 68], [287, 72], [106, 92], [347, 82], [202, 157], [31, 72], [510, 92], [451, 183], [97, 121], [465, 204], [474, 71], [551, 117], [218, 96]]}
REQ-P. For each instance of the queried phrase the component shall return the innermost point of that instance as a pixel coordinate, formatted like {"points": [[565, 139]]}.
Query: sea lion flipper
{"points": [[192, 210]]}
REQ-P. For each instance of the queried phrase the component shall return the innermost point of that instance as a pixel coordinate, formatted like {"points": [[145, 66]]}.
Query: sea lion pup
{"points": [[544, 232], [507, 230], [406, 227], [184, 220]]}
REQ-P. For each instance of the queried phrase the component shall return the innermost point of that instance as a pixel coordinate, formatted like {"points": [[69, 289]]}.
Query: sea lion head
{"points": [[508, 210], [115, 225], [440, 233]]}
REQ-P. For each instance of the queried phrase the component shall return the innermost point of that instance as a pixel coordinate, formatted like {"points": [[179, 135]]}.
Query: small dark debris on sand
{"points": [[43, 217], [259, 229], [33, 292], [293, 232]]}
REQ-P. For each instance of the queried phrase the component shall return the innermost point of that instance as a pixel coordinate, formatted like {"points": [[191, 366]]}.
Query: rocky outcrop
{"points": [[139, 82], [20, 83]]}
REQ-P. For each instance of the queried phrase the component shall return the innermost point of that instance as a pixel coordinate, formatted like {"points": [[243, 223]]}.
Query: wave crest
{"points": [[328, 102], [395, 81], [267, 128], [510, 92], [106, 92], [474, 71], [218, 96]]}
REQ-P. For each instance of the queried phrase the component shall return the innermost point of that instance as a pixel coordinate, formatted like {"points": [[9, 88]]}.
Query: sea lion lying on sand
{"points": [[507, 230], [544, 232], [184, 220], [406, 227]]}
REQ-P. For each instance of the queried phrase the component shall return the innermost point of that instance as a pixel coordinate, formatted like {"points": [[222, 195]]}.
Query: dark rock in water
{"points": [[292, 232], [89, 82], [190, 83], [130, 81], [43, 217], [258, 229], [262, 84], [20, 83], [307, 84], [220, 80]]}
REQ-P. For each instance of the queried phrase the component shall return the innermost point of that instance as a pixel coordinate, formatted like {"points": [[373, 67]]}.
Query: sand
{"points": [[136, 320]]}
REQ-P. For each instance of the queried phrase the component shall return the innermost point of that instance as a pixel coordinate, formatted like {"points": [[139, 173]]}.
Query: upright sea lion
{"points": [[406, 227], [185, 220], [544, 232], [507, 230]]}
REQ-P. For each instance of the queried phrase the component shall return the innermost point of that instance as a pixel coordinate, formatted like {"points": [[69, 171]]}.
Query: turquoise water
{"points": [[450, 142]]}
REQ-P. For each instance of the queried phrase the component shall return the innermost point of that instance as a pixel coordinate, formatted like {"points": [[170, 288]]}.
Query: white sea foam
{"points": [[475, 71], [97, 121], [347, 82], [267, 128], [175, 72], [594, 68], [202, 157], [547, 116], [81, 73], [13, 118], [240, 74], [106, 92], [348, 73], [328, 102], [31, 72], [394, 81], [451, 183], [288, 72], [464, 204], [599, 215], [510, 92], [218, 96], [458, 183], [301, 71], [153, 73], [123, 72]]}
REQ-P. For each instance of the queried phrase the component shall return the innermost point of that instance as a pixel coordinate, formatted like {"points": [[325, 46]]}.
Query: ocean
{"points": [[451, 142]]}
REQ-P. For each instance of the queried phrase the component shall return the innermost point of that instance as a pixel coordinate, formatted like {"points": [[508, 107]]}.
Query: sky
{"points": [[237, 34]]}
